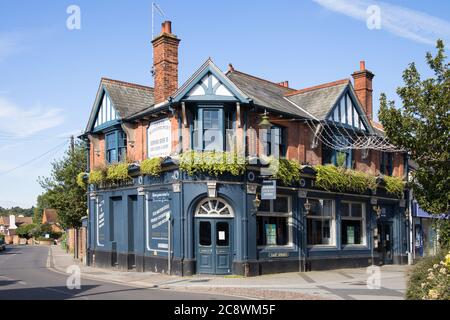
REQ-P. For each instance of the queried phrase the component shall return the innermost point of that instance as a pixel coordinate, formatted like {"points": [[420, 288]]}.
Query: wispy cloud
{"points": [[403, 22], [18, 121]]}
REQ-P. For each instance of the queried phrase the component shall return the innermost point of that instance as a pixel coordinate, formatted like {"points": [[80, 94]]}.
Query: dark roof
{"points": [[128, 98], [50, 215], [265, 93], [320, 99]]}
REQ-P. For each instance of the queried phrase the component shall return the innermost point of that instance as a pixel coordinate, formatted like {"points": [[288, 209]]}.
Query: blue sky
{"points": [[49, 74]]}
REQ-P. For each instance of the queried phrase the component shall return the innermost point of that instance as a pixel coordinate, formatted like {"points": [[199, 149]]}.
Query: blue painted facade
{"points": [[123, 237]]}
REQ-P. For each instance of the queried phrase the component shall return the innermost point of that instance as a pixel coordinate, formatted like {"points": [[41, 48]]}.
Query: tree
{"points": [[421, 126], [61, 189]]}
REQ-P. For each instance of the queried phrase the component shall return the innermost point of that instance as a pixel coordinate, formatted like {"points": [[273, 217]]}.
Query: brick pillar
{"points": [[165, 63]]}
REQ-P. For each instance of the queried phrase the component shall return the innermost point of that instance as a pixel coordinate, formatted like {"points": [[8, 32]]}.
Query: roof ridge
{"points": [[130, 84], [258, 78], [320, 86]]}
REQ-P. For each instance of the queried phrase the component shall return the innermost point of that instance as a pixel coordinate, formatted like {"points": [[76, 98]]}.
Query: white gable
{"points": [[209, 85], [106, 112], [346, 113]]}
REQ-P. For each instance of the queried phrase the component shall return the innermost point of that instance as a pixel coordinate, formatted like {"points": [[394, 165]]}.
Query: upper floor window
{"points": [[210, 128], [386, 163], [116, 146], [275, 141], [342, 158]]}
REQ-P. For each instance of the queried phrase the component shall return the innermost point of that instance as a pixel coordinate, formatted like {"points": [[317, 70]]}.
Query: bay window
{"points": [[210, 126], [116, 146], [274, 225], [321, 223], [353, 223]]}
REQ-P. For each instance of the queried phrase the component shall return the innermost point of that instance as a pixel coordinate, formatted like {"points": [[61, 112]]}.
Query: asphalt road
{"points": [[24, 276]]}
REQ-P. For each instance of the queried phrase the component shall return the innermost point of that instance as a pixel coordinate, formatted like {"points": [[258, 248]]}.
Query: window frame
{"points": [[333, 227], [227, 122], [363, 219], [290, 222], [118, 147]]}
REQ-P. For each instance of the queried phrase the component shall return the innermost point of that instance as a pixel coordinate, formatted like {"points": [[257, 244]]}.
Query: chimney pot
{"points": [[230, 67], [362, 65], [167, 27]]}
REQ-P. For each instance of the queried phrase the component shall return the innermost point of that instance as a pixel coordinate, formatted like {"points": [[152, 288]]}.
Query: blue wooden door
{"points": [[214, 246]]}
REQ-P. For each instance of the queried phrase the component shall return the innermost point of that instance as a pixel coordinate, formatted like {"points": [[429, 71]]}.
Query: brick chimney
{"points": [[165, 63], [363, 88], [284, 84]]}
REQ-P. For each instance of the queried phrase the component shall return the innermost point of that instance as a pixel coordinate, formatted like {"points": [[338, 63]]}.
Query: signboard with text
{"points": [[157, 216], [269, 190], [159, 138]]}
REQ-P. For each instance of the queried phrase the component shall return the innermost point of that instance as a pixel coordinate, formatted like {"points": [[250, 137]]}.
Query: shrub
{"points": [[26, 231], [430, 279], [151, 167], [212, 162], [394, 185]]}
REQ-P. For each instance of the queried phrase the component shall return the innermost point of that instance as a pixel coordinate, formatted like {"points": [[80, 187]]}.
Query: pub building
{"points": [[250, 223]]}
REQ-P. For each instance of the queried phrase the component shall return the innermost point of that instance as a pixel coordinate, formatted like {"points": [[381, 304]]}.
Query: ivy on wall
{"points": [[117, 172], [340, 179], [394, 185], [288, 171], [151, 167], [213, 163]]}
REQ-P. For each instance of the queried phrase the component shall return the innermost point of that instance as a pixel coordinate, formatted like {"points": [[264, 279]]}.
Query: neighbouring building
{"points": [[9, 224], [50, 217], [194, 222]]}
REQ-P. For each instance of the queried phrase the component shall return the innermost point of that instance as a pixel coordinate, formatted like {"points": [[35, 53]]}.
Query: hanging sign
{"points": [[269, 190]]}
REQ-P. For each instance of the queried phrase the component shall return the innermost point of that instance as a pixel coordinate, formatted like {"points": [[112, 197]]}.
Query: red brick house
{"points": [[205, 223]]}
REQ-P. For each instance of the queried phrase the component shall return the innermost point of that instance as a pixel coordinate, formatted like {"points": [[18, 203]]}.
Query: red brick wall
{"points": [[97, 153]]}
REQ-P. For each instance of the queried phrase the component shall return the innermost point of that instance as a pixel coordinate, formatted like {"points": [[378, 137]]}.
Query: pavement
{"points": [[343, 284], [29, 273]]}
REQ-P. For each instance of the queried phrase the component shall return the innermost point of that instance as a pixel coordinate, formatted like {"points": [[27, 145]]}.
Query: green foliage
{"points": [[288, 171], [26, 231], [97, 176], [118, 172], [422, 126], [151, 167], [62, 192], [442, 226], [394, 185], [340, 179], [212, 162], [81, 180], [16, 211], [429, 279]]}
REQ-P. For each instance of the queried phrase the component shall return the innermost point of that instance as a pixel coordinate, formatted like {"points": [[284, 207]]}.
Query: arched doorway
{"points": [[214, 236]]}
